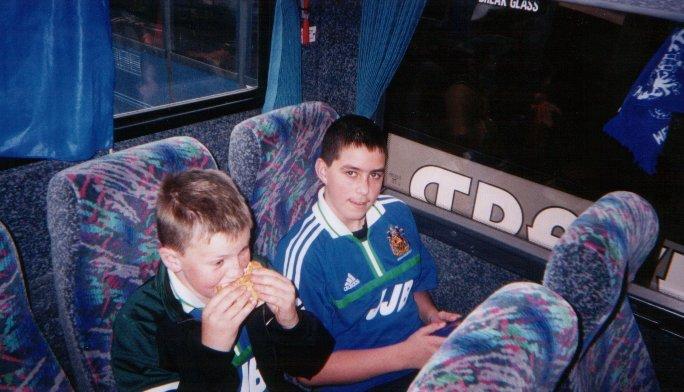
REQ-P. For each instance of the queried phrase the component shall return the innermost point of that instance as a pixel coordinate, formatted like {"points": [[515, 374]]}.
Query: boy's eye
{"points": [[376, 176], [350, 173]]}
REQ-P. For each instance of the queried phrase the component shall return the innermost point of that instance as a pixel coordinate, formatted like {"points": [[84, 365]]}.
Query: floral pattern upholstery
{"points": [[271, 159], [590, 267], [26, 362], [104, 243], [521, 338]]}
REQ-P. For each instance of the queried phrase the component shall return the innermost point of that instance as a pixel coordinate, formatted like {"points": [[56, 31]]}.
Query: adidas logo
{"points": [[351, 282]]}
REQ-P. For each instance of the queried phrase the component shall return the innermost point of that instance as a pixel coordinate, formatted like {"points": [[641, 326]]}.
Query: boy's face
{"points": [[205, 265], [352, 183]]}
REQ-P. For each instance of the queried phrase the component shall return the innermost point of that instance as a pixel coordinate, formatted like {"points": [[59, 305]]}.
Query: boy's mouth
{"points": [[245, 280], [359, 204]]}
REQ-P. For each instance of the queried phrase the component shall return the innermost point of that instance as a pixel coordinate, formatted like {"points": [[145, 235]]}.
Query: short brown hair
{"points": [[351, 130], [199, 202]]}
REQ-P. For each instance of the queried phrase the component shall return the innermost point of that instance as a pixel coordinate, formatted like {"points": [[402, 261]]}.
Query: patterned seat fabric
{"points": [[521, 338], [590, 267], [271, 159], [26, 361], [104, 244]]}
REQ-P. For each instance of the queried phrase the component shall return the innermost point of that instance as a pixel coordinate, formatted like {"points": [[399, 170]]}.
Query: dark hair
{"points": [[199, 203], [352, 130]]}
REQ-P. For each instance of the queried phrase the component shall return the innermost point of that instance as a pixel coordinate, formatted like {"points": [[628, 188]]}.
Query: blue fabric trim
{"points": [[284, 86], [59, 72], [386, 30]]}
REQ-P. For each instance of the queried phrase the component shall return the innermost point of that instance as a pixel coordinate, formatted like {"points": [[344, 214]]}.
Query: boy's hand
{"points": [[223, 315], [442, 315], [420, 346], [279, 294]]}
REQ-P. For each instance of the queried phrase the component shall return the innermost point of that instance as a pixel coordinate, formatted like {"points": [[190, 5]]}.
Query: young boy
{"points": [[358, 263], [194, 326]]}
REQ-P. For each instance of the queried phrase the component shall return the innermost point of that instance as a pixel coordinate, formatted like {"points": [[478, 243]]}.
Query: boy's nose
{"points": [[362, 186], [231, 275]]}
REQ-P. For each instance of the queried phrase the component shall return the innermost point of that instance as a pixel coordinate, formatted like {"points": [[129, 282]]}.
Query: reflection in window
{"points": [[529, 90], [168, 52]]}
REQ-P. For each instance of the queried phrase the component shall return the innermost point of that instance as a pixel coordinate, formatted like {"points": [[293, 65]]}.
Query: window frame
{"points": [[510, 167], [165, 117]]}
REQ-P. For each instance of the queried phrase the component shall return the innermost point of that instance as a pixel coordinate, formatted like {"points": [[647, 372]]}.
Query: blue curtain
{"points": [[386, 30], [285, 67], [57, 78]]}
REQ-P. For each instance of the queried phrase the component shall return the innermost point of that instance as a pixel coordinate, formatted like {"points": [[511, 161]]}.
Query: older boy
{"points": [[359, 265], [184, 327]]}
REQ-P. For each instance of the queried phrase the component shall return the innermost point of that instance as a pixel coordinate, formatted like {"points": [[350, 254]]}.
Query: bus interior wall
{"points": [[328, 75]]}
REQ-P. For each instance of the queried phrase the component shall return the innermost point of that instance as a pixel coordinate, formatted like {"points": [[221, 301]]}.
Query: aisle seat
{"points": [[104, 243], [26, 361]]}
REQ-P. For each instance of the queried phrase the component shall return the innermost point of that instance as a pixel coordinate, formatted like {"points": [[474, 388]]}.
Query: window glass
{"points": [[527, 86], [169, 52]]}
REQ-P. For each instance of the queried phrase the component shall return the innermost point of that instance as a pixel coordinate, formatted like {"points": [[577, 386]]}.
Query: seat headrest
{"points": [[520, 338], [600, 251]]}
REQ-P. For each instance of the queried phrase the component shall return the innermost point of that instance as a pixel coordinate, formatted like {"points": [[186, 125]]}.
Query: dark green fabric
{"points": [[155, 342], [147, 333]]}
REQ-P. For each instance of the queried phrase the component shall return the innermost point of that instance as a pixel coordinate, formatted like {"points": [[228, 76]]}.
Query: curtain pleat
{"points": [[285, 65], [57, 79], [386, 30]]}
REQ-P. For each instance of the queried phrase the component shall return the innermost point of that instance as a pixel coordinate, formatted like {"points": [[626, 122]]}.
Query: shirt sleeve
{"points": [[427, 280], [428, 272], [305, 271], [300, 352], [279, 260], [312, 289]]}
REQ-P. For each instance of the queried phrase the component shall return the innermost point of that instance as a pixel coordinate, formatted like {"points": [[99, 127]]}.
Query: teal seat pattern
{"points": [[103, 237], [590, 266], [271, 159], [521, 338], [26, 362]]}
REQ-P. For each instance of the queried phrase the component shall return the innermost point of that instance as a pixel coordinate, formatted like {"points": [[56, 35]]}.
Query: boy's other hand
{"points": [[223, 316], [279, 294], [420, 346], [445, 316]]}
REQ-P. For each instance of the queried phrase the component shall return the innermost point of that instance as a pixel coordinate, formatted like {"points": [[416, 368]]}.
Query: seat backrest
{"points": [[26, 361], [103, 237], [590, 267], [521, 338], [271, 158]]}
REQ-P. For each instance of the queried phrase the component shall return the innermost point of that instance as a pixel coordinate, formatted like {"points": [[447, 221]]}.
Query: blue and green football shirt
{"points": [[362, 291]]}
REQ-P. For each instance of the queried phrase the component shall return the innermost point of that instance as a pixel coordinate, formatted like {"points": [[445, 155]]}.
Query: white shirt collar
{"points": [[333, 224], [187, 298]]}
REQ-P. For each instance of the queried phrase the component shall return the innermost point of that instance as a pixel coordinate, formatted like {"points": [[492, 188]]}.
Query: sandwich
{"points": [[246, 280]]}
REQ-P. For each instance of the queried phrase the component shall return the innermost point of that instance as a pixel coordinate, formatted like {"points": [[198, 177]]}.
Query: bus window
{"points": [[525, 87], [173, 52]]}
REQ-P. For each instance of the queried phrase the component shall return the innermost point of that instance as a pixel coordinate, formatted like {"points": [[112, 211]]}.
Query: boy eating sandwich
{"points": [[211, 319]]}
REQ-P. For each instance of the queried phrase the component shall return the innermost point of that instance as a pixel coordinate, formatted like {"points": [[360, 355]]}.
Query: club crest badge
{"points": [[397, 241]]}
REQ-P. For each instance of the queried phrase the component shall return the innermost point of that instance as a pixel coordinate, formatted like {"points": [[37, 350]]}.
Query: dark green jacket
{"points": [[155, 343]]}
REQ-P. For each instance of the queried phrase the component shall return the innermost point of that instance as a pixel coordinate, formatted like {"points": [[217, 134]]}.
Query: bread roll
{"points": [[246, 280]]}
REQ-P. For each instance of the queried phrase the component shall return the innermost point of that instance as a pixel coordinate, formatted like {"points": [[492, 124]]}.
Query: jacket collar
{"points": [[326, 217], [163, 286], [189, 301]]}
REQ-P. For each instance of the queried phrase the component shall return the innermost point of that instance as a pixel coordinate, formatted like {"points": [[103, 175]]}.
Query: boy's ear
{"points": [[170, 259], [321, 170]]}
